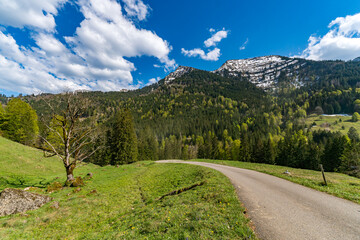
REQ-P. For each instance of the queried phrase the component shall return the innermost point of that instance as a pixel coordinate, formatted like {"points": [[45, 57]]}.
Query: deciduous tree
{"points": [[70, 133], [21, 123]]}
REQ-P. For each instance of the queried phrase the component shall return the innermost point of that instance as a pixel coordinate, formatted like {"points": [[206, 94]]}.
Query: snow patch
{"points": [[263, 71], [179, 72]]}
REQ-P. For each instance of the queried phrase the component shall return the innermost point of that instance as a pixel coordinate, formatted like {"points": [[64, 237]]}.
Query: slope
{"points": [[122, 202], [22, 166]]}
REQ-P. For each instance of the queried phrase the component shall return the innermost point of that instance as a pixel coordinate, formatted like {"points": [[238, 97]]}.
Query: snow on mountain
{"points": [[179, 72], [263, 71]]}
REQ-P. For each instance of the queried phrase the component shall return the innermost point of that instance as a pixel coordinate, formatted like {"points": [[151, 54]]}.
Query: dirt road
{"points": [[280, 209]]}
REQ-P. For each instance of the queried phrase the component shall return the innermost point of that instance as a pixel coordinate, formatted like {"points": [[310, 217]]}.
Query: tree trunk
{"points": [[69, 173]]}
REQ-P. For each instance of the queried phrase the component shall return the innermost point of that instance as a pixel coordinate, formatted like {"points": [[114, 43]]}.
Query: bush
{"points": [[355, 117]]}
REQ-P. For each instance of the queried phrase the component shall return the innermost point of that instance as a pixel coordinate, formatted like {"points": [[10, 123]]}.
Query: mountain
{"points": [[179, 72], [356, 59], [249, 110], [273, 73], [192, 101], [262, 71]]}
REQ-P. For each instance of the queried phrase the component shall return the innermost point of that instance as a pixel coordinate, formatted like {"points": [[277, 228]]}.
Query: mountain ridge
{"points": [[267, 72]]}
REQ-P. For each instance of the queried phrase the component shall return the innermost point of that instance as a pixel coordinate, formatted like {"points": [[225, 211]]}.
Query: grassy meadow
{"points": [[332, 123], [121, 202], [340, 185]]}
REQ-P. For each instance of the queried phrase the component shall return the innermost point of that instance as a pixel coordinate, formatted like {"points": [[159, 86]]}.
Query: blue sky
{"points": [[108, 45]]}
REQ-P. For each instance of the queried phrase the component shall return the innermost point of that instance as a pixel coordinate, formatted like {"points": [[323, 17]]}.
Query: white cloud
{"points": [[216, 37], [197, 52], [243, 47], [341, 42], [136, 8], [23, 70], [153, 80], [211, 55], [96, 59], [30, 13], [105, 37]]}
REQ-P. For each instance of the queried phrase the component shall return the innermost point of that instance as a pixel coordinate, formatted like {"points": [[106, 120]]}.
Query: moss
{"points": [[53, 187], [78, 182]]}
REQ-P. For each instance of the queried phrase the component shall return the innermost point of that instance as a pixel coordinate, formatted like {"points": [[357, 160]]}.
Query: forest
{"points": [[207, 116]]}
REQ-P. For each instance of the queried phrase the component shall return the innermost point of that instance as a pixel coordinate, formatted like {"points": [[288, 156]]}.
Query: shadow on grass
{"points": [[15, 181]]}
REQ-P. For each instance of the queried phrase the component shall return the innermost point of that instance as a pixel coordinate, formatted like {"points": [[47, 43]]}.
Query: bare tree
{"points": [[72, 135]]}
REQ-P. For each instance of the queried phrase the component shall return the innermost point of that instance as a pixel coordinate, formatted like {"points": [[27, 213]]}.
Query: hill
{"points": [[23, 166]]}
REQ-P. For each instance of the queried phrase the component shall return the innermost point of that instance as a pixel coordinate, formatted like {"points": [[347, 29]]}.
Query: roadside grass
{"points": [[340, 185], [125, 202], [126, 207], [332, 123]]}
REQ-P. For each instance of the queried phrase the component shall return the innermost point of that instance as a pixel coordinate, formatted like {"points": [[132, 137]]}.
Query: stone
{"points": [[55, 205], [31, 189], [14, 201], [287, 173]]}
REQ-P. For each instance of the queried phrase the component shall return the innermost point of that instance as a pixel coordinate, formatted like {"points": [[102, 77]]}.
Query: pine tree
{"points": [[122, 140], [2, 117]]}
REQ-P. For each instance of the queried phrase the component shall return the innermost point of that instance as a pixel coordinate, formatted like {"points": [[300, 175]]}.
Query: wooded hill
{"points": [[208, 115]]}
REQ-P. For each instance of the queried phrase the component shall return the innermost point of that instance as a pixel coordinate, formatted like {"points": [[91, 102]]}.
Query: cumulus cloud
{"points": [[197, 52], [94, 59], [105, 37], [24, 70], [216, 37], [211, 55], [153, 80], [29, 13], [341, 42], [136, 8]]}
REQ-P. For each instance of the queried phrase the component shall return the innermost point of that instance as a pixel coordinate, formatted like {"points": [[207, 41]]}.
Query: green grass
{"points": [[22, 166], [332, 123], [125, 205], [340, 185]]}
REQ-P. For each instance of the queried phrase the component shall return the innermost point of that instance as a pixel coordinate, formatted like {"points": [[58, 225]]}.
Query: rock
{"points": [[287, 173], [30, 189], [89, 175], [55, 205], [14, 201]]}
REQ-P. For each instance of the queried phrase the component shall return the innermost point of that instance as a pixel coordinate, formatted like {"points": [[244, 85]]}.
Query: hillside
{"points": [[23, 166], [121, 202]]}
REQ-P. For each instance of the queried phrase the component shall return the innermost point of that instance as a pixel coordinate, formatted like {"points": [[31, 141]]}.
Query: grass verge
{"points": [[340, 185]]}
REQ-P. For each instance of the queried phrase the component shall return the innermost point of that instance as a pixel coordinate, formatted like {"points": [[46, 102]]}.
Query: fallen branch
{"points": [[181, 190]]}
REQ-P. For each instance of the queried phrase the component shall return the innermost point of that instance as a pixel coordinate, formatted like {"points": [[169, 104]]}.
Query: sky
{"points": [[50, 46]]}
